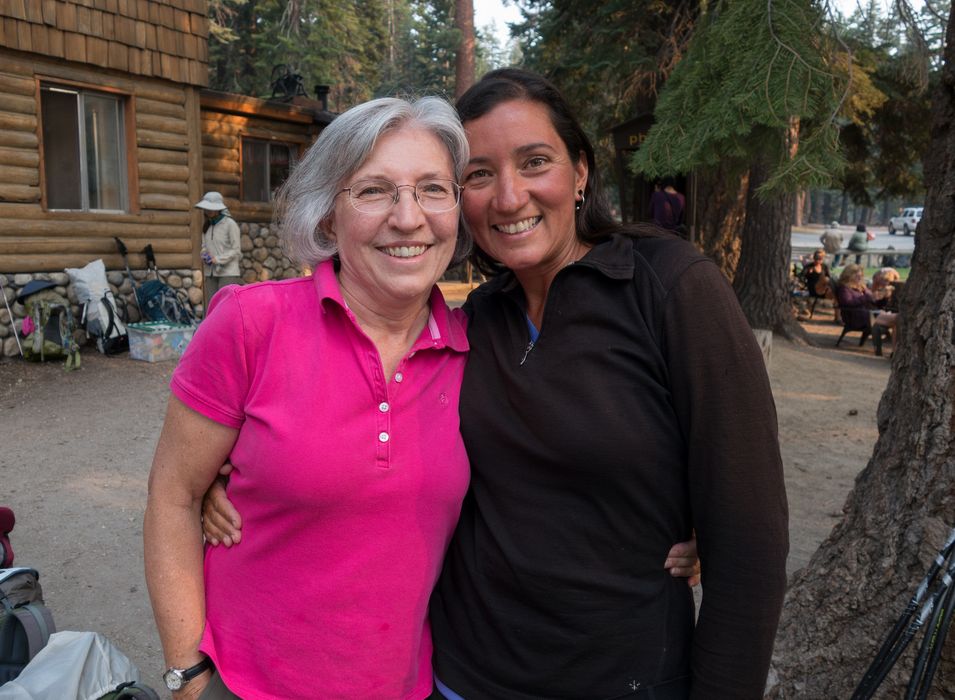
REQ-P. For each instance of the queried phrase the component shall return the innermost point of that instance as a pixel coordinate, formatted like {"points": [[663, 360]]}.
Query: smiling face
{"points": [[521, 190], [390, 260]]}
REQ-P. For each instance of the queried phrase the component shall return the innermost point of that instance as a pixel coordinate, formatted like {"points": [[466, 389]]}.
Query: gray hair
{"points": [[307, 198]]}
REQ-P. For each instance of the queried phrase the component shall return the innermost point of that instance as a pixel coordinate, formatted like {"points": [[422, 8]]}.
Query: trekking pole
{"points": [[926, 663], [13, 323], [882, 663], [909, 634], [121, 247], [151, 259]]}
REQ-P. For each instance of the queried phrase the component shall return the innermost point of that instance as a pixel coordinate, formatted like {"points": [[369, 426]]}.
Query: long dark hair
{"points": [[594, 220]]}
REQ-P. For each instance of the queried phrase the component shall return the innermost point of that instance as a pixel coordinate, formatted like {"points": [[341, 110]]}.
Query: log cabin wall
{"points": [[152, 56], [120, 78], [229, 120]]}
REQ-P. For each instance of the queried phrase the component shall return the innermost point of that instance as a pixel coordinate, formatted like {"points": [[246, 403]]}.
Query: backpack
{"points": [[25, 622], [101, 318], [48, 329], [160, 302]]}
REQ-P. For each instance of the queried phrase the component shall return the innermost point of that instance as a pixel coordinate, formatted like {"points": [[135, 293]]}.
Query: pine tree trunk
{"points": [[817, 215], [464, 61], [762, 276], [841, 606], [799, 208], [721, 207]]}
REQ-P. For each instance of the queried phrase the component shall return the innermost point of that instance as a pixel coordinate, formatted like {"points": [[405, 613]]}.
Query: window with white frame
{"points": [[84, 152], [265, 166]]}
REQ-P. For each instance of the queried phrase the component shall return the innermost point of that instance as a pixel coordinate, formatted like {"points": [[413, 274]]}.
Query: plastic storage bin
{"points": [[156, 341]]}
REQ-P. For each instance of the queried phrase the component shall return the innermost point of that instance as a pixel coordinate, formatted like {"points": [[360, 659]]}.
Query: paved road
{"points": [[808, 237]]}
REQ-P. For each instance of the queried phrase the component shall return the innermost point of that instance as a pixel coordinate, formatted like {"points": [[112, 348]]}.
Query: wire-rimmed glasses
{"points": [[434, 195]]}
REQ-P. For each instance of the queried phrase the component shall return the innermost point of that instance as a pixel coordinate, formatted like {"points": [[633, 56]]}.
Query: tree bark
{"points": [[762, 276], [721, 209], [841, 606], [799, 208], [817, 216], [464, 61]]}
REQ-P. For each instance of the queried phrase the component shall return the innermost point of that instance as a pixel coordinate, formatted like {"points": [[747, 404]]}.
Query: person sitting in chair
{"points": [[815, 275], [885, 290], [855, 302]]}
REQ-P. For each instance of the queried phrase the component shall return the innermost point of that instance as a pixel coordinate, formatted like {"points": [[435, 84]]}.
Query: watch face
{"points": [[173, 679]]}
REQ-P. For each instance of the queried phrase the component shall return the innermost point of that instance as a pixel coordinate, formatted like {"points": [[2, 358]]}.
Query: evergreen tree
{"points": [[760, 87], [608, 56], [842, 604]]}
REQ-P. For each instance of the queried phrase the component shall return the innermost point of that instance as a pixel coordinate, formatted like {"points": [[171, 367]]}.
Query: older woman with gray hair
{"points": [[335, 397]]}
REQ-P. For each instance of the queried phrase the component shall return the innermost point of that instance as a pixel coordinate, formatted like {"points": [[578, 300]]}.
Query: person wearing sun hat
{"points": [[220, 245]]}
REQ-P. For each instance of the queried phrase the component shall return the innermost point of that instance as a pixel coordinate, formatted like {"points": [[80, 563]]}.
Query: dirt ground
{"points": [[76, 448]]}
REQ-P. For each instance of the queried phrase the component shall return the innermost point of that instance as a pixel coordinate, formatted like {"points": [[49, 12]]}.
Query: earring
{"points": [[580, 202]]}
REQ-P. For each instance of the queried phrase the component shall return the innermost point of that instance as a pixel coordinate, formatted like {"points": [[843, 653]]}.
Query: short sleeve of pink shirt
{"points": [[349, 485]]}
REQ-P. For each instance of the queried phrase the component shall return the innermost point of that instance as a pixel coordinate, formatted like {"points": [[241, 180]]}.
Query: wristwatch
{"points": [[176, 678]]}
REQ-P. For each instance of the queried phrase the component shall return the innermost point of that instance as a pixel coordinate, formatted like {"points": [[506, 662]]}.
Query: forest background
{"points": [[782, 110]]}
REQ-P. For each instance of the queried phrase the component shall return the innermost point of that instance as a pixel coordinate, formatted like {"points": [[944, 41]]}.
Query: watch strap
{"points": [[189, 673]]}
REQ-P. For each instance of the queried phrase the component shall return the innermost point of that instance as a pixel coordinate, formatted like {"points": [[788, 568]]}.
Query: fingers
{"points": [[682, 562], [221, 522], [226, 469]]}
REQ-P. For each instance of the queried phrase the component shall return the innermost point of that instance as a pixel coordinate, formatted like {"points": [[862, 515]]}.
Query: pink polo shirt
{"points": [[349, 488]]}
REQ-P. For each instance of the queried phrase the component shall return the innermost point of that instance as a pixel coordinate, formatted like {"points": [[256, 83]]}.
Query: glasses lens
{"points": [[372, 195], [437, 195]]}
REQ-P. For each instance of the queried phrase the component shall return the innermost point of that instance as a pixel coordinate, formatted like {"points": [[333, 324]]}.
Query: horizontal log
{"points": [[259, 213], [17, 122], [219, 140], [155, 91], [220, 178], [228, 166], [10, 212], [268, 130], [11, 84], [60, 70], [164, 171], [164, 187], [146, 138], [93, 247], [164, 201], [18, 139], [214, 102], [12, 175], [166, 125], [217, 153], [19, 104], [160, 155], [21, 157], [19, 193], [56, 262], [91, 227], [144, 105]]}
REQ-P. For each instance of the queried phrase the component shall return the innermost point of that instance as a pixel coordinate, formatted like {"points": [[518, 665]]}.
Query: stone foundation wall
{"points": [[262, 254], [188, 280]]}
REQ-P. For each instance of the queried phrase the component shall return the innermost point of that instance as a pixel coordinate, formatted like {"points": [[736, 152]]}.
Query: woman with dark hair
{"points": [[614, 400]]}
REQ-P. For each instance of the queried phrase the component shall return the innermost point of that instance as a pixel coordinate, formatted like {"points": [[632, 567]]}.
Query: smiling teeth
{"points": [[519, 226], [406, 251]]}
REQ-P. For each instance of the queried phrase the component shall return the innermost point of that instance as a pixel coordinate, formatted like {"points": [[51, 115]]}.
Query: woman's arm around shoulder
{"points": [[724, 403], [190, 451]]}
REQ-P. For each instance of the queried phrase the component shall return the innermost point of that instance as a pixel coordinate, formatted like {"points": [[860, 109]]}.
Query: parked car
{"points": [[906, 222]]}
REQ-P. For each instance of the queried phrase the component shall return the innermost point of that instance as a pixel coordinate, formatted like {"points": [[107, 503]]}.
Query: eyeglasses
{"points": [[434, 195]]}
